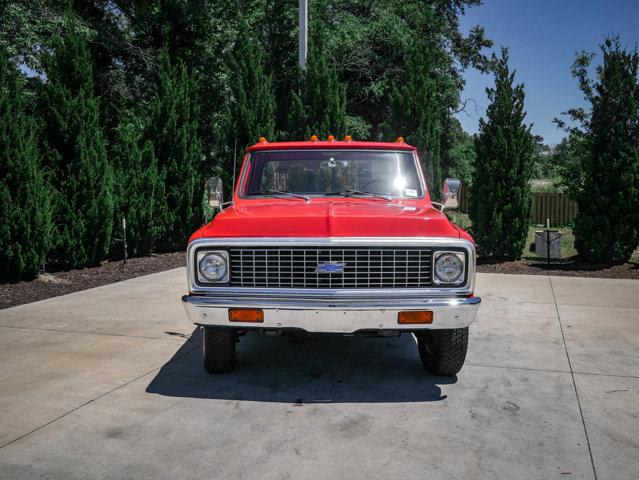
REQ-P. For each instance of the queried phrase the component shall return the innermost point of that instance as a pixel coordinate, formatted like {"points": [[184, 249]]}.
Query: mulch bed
{"points": [[572, 267], [60, 283]]}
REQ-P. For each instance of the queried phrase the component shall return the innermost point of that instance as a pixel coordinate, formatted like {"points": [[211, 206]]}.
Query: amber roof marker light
{"points": [[262, 140], [330, 138], [399, 140], [313, 138], [348, 138]]}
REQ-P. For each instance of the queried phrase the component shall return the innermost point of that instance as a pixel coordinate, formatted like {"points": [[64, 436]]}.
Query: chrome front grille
{"points": [[283, 267]]}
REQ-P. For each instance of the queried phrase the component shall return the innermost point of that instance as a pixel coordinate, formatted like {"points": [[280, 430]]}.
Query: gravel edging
{"points": [[50, 285]]}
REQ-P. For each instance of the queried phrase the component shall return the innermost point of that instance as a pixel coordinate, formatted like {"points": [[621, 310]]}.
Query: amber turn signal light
{"points": [[252, 315], [414, 317]]}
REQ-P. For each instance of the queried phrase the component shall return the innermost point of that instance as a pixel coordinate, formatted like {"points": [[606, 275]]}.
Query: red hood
{"points": [[329, 218]]}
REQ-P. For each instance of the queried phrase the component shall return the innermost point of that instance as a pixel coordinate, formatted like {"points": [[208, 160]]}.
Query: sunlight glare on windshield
{"points": [[318, 172]]}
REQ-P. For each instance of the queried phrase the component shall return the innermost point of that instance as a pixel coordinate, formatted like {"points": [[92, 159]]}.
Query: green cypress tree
{"points": [[25, 198], [320, 107], [139, 189], [75, 152], [251, 109], [419, 106], [607, 223], [173, 132], [501, 206], [279, 37]]}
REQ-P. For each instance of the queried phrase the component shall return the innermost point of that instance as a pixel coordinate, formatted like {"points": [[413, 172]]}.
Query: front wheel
{"points": [[219, 349], [443, 351]]}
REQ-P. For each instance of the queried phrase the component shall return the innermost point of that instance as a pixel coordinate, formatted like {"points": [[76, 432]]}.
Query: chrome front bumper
{"points": [[331, 315]]}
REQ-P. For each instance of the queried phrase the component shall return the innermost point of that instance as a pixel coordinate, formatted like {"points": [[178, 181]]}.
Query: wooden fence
{"points": [[555, 206]]}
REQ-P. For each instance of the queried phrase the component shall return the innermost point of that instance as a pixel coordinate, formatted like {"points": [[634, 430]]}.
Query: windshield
{"points": [[334, 172]]}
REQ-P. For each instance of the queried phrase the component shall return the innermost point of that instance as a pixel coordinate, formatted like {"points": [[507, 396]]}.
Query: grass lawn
{"points": [[567, 238]]}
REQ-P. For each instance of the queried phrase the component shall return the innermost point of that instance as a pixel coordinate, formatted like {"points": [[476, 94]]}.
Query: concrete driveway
{"points": [[107, 384]]}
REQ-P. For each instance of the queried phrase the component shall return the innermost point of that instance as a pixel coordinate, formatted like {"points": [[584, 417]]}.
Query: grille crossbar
{"points": [[281, 267]]}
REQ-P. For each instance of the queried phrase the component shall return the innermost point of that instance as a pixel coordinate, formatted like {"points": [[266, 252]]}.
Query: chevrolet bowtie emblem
{"points": [[330, 267]]}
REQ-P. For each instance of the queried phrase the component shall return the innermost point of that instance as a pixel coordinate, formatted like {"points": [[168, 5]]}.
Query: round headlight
{"points": [[449, 268], [213, 267]]}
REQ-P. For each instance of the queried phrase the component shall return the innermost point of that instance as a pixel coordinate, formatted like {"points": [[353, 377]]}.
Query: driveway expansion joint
{"points": [[60, 330], [574, 384], [606, 375]]}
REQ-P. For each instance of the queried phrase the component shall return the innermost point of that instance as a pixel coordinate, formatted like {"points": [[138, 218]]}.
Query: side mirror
{"points": [[216, 192], [450, 194]]}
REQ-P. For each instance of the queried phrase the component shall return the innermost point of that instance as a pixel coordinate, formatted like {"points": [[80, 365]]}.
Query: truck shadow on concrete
{"points": [[320, 369]]}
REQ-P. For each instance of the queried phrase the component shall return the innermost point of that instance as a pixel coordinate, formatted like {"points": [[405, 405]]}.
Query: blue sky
{"points": [[543, 36]]}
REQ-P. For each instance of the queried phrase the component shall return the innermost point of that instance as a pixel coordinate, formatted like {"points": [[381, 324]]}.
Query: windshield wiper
{"points": [[350, 193], [273, 193]]}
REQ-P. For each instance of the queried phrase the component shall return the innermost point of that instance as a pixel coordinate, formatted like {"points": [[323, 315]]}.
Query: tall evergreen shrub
{"points": [[419, 105], [501, 203], [25, 198], [173, 132], [320, 107], [75, 152], [251, 107], [139, 190], [607, 224]]}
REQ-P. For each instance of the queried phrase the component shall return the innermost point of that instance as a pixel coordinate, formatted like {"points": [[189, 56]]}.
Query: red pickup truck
{"points": [[333, 237]]}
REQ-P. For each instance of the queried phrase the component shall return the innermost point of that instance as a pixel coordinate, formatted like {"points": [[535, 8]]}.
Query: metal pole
{"points": [[303, 32], [234, 167], [124, 237], [548, 241]]}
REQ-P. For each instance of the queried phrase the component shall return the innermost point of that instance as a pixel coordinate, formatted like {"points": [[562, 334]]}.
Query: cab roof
{"points": [[329, 144]]}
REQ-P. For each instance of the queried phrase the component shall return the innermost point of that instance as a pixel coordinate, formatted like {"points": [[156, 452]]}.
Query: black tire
{"points": [[443, 351], [219, 349]]}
